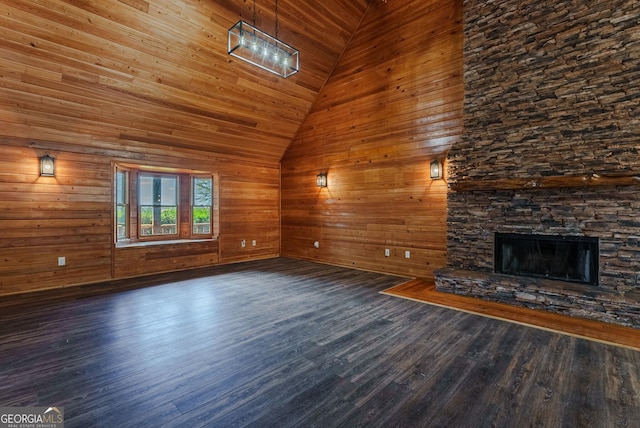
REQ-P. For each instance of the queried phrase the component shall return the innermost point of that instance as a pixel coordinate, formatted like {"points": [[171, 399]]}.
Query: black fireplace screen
{"points": [[565, 258]]}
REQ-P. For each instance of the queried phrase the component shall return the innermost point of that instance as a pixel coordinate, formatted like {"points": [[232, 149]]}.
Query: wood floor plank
{"points": [[290, 343]]}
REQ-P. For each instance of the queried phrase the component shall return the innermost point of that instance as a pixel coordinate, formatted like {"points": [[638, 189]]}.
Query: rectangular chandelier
{"points": [[260, 49]]}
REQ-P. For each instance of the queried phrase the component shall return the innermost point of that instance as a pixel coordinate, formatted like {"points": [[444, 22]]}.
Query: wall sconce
{"points": [[435, 169], [321, 180], [47, 166]]}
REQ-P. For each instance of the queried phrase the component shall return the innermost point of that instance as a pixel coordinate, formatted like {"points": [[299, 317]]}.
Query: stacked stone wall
{"points": [[551, 88], [550, 92]]}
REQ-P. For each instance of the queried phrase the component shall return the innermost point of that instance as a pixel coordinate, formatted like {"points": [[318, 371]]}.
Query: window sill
{"points": [[163, 242]]}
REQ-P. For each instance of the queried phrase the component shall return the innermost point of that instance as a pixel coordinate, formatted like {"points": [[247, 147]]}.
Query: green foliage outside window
{"points": [[167, 215], [201, 214], [146, 215]]}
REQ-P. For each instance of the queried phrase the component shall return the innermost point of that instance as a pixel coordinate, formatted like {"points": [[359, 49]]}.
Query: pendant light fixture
{"points": [[256, 47]]}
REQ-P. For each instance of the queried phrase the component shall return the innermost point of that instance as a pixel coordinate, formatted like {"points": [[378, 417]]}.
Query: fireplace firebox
{"points": [[564, 258]]}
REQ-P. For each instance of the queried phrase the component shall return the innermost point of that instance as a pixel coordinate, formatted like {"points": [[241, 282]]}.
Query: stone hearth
{"points": [[475, 217], [556, 296]]}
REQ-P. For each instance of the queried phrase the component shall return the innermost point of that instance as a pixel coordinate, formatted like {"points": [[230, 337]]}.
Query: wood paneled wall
{"points": [[393, 104], [70, 215], [150, 82]]}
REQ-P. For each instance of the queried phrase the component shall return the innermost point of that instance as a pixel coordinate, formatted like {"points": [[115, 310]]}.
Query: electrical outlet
{"points": [[387, 253], [243, 243], [62, 261], [254, 242], [407, 254]]}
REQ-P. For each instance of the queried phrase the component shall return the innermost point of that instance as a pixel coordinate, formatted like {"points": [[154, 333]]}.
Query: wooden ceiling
{"points": [[157, 72]]}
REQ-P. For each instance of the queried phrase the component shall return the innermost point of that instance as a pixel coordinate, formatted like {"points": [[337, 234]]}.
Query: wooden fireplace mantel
{"points": [[551, 182]]}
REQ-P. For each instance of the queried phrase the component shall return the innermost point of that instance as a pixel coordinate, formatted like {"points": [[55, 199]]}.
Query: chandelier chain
{"points": [[254, 13]]}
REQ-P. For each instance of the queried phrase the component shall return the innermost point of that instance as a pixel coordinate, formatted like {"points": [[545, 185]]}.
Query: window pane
{"points": [[158, 190], [158, 221], [168, 192], [122, 205], [201, 220], [145, 190], [202, 191], [146, 220], [120, 188], [168, 216], [201, 205], [121, 218]]}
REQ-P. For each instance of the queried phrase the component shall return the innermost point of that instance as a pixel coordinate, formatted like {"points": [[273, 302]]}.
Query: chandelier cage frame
{"points": [[252, 45]]}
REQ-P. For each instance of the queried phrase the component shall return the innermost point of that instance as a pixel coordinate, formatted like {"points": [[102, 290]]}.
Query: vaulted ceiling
{"points": [[157, 72]]}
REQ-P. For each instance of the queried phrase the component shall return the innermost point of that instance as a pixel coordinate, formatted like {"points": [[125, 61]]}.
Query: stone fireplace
{"points": [[551, 148]]}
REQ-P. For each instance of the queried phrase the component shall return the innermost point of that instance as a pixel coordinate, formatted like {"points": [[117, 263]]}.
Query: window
{"points": [[160, 205], [122, 205], [201, 205]]}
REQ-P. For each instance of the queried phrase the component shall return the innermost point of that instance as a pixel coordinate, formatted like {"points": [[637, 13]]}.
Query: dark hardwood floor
{"points": [[280, 342]]}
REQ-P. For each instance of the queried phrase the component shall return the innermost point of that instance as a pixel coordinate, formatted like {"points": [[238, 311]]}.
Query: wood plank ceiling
{"points": [[157, 72]]}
